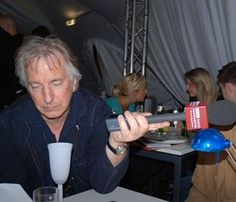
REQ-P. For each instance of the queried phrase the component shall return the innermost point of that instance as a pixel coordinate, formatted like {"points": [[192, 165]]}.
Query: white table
{"points": [[10, 192], [118, 195], [14, 192]]}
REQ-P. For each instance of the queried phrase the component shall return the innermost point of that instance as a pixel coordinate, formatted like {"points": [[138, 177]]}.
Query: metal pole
{"points": [[133, 37], [126, 37], [144, 59]]}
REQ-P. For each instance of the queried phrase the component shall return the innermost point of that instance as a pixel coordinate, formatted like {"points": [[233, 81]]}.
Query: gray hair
{"points": [[35, 47]]}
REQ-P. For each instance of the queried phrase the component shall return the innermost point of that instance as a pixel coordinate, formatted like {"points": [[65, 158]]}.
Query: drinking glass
{"points": [[45, 194], [59, 159]]}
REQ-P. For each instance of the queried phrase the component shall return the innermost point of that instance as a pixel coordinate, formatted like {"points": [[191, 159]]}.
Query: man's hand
{"points": [[136, 128]]}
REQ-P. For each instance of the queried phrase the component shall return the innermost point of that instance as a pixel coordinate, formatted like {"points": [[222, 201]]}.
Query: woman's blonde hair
{"points": [[204, 82], [129, 84]]}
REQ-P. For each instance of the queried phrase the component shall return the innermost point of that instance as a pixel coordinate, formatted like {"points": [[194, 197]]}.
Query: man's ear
{"points": [[229, 87], [75, 84]]}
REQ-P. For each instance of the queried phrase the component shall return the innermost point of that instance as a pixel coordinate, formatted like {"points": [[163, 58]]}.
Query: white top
{"points": [[118, 195]]}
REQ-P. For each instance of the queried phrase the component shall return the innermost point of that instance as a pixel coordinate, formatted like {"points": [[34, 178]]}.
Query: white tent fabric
{"points": [[110, 63], [111, 67], [182, 34]]}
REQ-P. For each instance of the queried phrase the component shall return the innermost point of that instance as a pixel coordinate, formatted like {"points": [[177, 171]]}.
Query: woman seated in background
{"points": [[130, 90], [200, 85]]}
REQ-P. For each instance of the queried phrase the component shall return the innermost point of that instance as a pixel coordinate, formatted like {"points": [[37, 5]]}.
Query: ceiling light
{"points": [[70, 22]]}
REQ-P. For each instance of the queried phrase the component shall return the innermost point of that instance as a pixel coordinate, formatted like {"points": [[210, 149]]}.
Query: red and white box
{"points": [[196, 115]]}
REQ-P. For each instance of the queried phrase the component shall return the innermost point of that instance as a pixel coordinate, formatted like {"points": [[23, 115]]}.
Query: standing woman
{"points": [[200, 85], [130, 90]]}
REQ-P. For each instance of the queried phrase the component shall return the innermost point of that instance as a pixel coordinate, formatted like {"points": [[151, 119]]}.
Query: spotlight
{"points": [[70, 22]]}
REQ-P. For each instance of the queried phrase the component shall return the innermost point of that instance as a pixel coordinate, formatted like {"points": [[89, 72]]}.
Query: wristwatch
{"points": [[121, 149]]}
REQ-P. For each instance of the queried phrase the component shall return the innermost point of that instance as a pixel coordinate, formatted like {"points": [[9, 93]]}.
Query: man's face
{"points": [[50, 87], [229, 91]]}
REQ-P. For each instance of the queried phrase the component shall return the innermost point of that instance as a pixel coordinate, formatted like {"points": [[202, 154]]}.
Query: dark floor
{"points": [[155, 178]]}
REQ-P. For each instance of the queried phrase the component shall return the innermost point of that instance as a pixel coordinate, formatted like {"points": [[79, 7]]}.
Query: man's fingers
{"points": [[156, 126]]}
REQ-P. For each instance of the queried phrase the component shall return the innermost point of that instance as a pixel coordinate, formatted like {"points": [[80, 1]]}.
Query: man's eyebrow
{"points": [[58, 79], [32, 82]]}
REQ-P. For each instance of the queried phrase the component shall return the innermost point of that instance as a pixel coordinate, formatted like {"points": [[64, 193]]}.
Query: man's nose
{"points": [[47, 95]]}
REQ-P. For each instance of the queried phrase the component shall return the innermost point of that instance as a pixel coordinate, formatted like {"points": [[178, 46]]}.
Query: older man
{"points": [[214, 179], [56, 110]]}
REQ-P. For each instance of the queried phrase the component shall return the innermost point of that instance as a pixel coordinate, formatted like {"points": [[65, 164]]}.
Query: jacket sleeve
{"points": [[11, 168], [103, 176]]}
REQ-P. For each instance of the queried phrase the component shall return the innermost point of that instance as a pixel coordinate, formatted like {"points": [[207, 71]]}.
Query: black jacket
{"points": [[24, 136]]}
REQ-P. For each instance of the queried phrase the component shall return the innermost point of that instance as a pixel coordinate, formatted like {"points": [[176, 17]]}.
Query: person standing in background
{"points": [[131, 90], [200, 85], [214, 180], [10, 40]]}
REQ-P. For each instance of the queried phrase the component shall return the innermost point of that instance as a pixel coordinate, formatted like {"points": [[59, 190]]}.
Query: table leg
{"points": [[177, 179]]}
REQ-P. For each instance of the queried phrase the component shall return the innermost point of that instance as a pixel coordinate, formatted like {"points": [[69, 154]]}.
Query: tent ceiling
{"points": [[113, 10], [60, 10], [54, 12]]}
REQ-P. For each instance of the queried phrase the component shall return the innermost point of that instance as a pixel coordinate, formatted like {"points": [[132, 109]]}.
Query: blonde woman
{"points": [[200, 85], [130, 90]]}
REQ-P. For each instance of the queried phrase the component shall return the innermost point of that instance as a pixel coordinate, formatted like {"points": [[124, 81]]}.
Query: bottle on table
{"points": [[160, 110], [175, 123]]}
